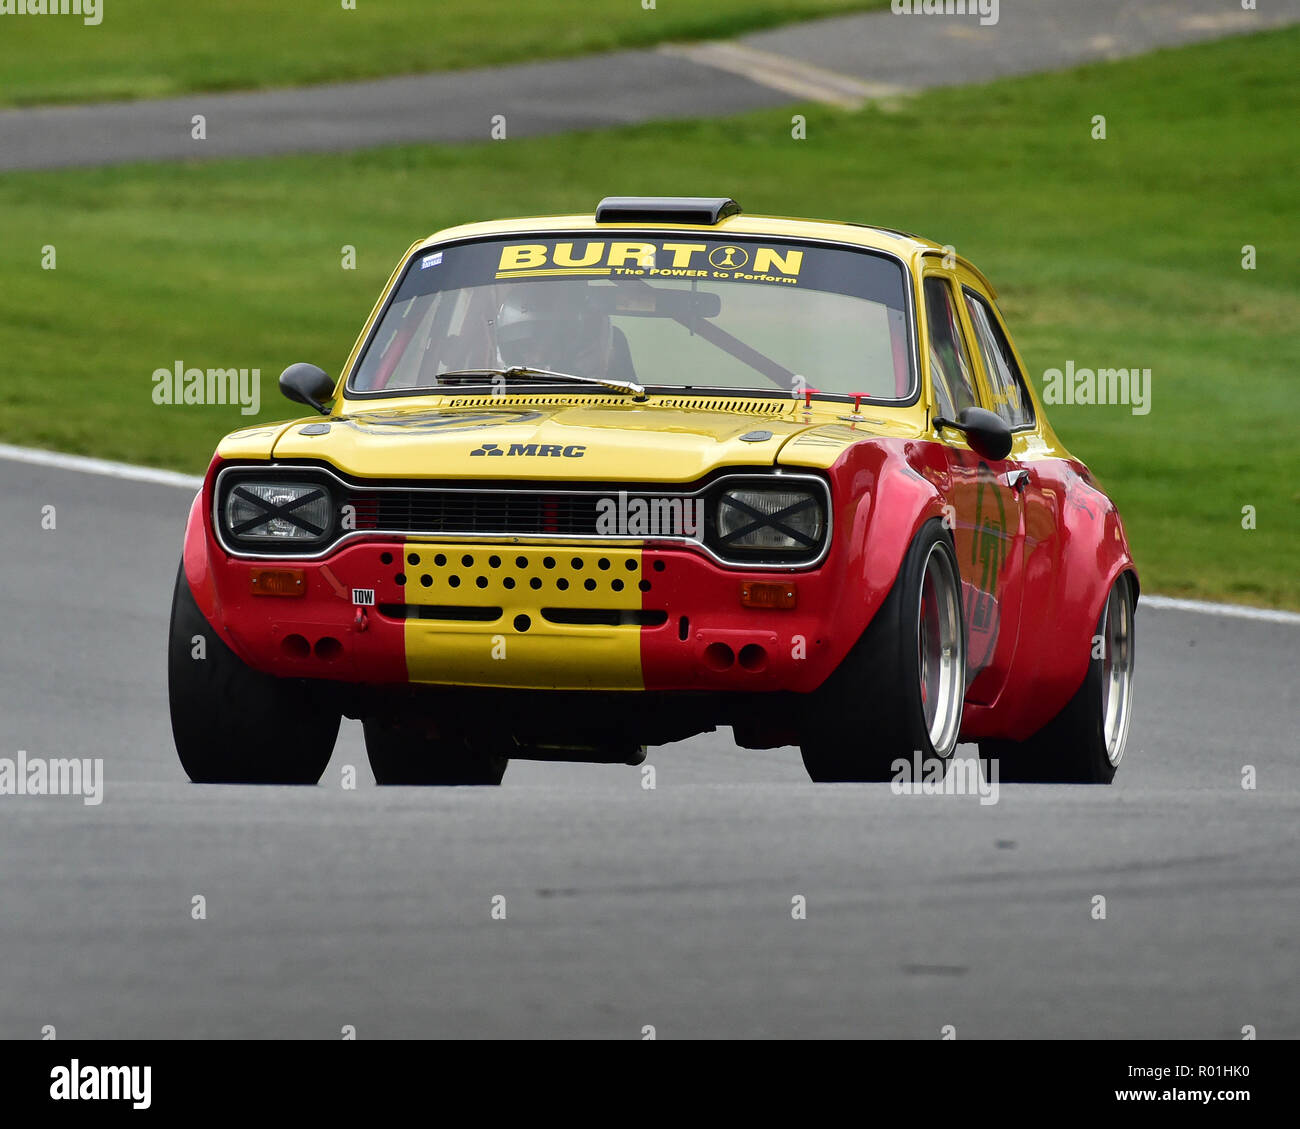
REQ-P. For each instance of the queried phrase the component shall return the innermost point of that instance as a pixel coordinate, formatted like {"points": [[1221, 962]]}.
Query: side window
{"points": [[1011, 401], [954, 384]]}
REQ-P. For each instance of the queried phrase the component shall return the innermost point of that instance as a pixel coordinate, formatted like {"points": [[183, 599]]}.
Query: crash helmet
{"points": [[553, 325]]}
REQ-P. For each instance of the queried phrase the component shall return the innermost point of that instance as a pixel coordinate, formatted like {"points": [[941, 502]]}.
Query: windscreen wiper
{"points": [[528, 372]]}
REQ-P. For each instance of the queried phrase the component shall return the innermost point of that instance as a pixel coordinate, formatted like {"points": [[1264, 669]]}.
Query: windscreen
{"points": [[663, 311]]}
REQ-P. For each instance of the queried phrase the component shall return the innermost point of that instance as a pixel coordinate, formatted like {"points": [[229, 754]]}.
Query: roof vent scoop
{"points": [[666, 209]]}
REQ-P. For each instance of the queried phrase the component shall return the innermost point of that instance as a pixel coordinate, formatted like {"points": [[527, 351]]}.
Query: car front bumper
{"points": [[553, 616]]}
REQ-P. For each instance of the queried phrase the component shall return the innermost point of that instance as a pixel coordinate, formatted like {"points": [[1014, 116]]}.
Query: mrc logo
{"points": [[536, 450]]}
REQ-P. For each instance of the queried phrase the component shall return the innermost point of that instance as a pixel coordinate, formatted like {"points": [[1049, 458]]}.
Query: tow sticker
{"points": [[363, 597]]}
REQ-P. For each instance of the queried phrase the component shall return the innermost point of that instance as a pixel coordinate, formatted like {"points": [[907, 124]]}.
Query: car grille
{"points": [[485, 512]]}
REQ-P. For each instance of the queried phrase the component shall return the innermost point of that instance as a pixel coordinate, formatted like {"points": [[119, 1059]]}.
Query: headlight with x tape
{"points": [[762, 518], [270, 513]]}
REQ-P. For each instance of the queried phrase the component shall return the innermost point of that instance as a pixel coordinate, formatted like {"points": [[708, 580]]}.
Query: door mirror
{"points": [[985, 431], [307, 384]]}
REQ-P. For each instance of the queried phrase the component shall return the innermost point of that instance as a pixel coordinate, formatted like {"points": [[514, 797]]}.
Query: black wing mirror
{"points": [[985, 431], [307, 384]]}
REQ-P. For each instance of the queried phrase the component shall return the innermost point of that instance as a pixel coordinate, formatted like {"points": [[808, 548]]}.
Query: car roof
{"points": [[905, 245]]}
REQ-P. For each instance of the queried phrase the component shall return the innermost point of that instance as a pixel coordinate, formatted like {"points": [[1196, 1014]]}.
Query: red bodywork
{"points": [[1036, 562]]}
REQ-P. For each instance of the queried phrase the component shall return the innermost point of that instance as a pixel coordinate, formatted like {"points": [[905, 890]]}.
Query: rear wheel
{"points": [[233, 724], [401, 756], [1084, 743], [900, 690]]}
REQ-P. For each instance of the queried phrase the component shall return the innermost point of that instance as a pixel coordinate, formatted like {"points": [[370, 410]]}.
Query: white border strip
{"points": [[36, 457], [1204, 607]]}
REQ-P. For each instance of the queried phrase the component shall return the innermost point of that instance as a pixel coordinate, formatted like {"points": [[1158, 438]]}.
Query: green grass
{"points": [[1124, 252], [156, 49]]}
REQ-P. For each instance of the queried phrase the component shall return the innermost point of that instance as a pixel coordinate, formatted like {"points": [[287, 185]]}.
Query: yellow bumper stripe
{"points": [[520, 647]]}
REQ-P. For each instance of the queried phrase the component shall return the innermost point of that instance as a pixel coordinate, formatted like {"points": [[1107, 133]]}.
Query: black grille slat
{"points": [[471, 512]]}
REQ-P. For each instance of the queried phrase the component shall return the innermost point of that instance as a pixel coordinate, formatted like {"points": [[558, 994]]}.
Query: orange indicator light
{"points": [[277, 582], [763, 594]]}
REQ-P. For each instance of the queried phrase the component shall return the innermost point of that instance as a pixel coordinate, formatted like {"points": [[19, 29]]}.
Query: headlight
{"points": [[278, 512], [760, 518]]}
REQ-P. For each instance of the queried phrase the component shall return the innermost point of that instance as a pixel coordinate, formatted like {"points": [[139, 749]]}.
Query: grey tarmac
{"points": [[625, 907]]}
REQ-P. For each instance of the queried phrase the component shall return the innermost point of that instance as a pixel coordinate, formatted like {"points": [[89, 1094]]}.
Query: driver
{"points": [[552, 325]]}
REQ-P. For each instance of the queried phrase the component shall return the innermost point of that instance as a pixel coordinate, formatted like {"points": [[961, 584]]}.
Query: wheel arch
{"points": [[885, 503], [1067, 582]]}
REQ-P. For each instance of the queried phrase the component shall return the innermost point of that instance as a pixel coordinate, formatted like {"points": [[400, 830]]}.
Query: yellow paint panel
{"points": [[253, 442], [442, 647], [567, 439]]}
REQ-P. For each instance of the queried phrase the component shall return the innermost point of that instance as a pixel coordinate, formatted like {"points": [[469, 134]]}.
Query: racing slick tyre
{"points": [[900, 690], [236, 725], [399, 756], [1084, 743]]}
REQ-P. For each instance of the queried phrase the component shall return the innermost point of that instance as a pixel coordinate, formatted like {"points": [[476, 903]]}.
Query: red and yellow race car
{"points": [[589, 483]]}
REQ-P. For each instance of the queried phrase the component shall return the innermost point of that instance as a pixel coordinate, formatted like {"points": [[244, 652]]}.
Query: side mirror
{"points": [[307, 384], [985, 431]]}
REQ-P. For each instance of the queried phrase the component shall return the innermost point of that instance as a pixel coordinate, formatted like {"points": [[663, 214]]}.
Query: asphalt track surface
{"points": [[867, 54], [624, 907]]}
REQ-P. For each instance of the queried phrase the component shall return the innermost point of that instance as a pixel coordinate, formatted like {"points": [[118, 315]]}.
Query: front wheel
{"points": [[899, 691], [233, 724], [399, 756], [1084, 743]]}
